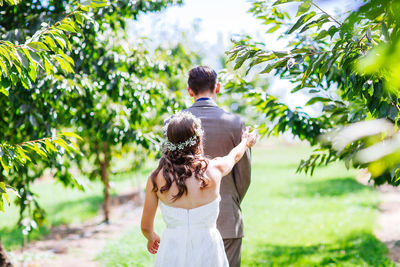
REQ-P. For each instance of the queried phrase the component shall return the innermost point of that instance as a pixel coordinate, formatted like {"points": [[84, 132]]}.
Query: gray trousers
{"points": [[233, 249]]}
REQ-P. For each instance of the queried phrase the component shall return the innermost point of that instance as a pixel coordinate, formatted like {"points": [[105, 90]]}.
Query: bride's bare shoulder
{"points": [[213, 168]]}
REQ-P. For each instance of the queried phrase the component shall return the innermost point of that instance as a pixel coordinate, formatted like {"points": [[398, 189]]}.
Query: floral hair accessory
{"points": [[189, 142]]}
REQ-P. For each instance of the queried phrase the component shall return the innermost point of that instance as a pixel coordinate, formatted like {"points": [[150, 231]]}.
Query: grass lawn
{"points": [[64, 206], [290, 219]]}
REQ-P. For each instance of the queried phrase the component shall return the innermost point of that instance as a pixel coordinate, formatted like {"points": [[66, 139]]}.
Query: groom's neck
{"points": [[206, 95]]}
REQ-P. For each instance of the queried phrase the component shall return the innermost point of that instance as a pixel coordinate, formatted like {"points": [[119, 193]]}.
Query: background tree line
{"points": [[75, 82], [349, 68]]}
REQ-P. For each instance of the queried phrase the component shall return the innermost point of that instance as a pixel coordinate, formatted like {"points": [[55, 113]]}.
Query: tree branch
{"points": [[323, 11]]}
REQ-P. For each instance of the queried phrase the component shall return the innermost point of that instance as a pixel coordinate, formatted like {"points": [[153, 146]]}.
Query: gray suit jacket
{"points": [[222, 132]]}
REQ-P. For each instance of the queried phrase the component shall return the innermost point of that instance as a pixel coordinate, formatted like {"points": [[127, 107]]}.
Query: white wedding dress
{"points": [[191, 238]]}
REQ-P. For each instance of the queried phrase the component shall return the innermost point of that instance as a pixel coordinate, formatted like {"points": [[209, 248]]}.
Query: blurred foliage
{"points": [[76, 69], [233, 87], [24, 116], [348, 67]]}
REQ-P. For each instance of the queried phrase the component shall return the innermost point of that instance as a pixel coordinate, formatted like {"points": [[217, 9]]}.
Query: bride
{"points": [[186, 184]]}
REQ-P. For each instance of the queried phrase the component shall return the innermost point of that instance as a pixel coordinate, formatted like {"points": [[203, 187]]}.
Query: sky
{"points": [[218, 20], [210, 24], [216, 17]]}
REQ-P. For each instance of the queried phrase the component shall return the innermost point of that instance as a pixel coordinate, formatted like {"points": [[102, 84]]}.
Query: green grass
{"points": [[290, 219], [64, 206], [130, 250]]}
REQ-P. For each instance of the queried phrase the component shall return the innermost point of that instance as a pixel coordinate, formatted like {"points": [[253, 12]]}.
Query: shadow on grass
{"points": [[281, 166], [329, 188], [12, 238], [360, 249], [87, 207], [61, 213]]}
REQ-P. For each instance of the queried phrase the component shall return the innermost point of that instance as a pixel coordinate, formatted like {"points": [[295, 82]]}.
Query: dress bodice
{"points": [[191, 237], [204, 216]]}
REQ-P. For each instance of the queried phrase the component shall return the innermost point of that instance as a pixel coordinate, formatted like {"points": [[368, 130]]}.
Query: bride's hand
{"points": [[250, 137], [153, 243]]}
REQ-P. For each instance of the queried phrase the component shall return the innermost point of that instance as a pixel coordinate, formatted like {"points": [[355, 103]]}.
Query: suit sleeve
{"points": [[242, 170]]}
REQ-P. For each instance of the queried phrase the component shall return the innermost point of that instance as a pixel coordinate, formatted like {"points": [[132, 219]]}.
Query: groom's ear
{"points": [[217, 88], [190, 91]]}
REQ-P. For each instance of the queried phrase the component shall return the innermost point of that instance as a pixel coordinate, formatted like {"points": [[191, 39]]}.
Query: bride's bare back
{"points": [[196, 195]]}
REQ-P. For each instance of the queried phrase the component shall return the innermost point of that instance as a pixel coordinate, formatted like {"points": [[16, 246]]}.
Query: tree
{"points": [[131, 99], [349, 66], [126, 90], [119, 88], [21, 64]]}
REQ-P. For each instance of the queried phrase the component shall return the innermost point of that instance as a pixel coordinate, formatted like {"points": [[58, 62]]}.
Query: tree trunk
{"points": [[4, 262], [106, 183]]}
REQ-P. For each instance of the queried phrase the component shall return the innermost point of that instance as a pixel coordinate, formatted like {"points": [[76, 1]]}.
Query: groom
{"points": [[222, 132]]}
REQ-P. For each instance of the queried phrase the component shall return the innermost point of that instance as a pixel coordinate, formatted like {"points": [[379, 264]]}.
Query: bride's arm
{"points": [[225, 164], [149, 212]]}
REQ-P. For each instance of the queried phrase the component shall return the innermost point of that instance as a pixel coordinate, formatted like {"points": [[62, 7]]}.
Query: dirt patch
{"points": [[388, 230], [78, 245]]}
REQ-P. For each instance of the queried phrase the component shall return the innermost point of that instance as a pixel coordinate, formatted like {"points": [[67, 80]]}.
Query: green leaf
{"points": [[21, 153], [301, 21], [322, 34], [385, 31], [49, 146], [303, 8], [98, 3], [368, 34], [32, 73], [65, 65], [61, 143], [306, 75], [4, 91], [4, 52], [38, 46], [284, 1], [274, 28], [68, 58], [60, 41], [23, 58], [69, 134], [5, 165], [36, 147], [50, 42], [79, 18], [317, 99], [1, 203], [3, 67], [66, 27], [25, 81], [13, 191], [280, 54], [12, 2], [332, 30], [241, 59], [2, 188], [7, 199], [267, 69], [35, 58], [48, 66]]}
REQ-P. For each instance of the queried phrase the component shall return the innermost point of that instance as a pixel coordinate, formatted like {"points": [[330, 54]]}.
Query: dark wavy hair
{"points": [[181, 164]]}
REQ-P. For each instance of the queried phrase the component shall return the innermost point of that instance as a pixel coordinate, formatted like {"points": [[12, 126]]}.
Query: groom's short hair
{"points": [[202, 79]]}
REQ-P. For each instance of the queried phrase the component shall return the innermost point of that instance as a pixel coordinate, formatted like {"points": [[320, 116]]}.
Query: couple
{"points": [[197, 181]]}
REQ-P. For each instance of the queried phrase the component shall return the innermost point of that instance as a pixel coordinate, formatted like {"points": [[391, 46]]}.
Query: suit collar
{"points": [[205, 103]]}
